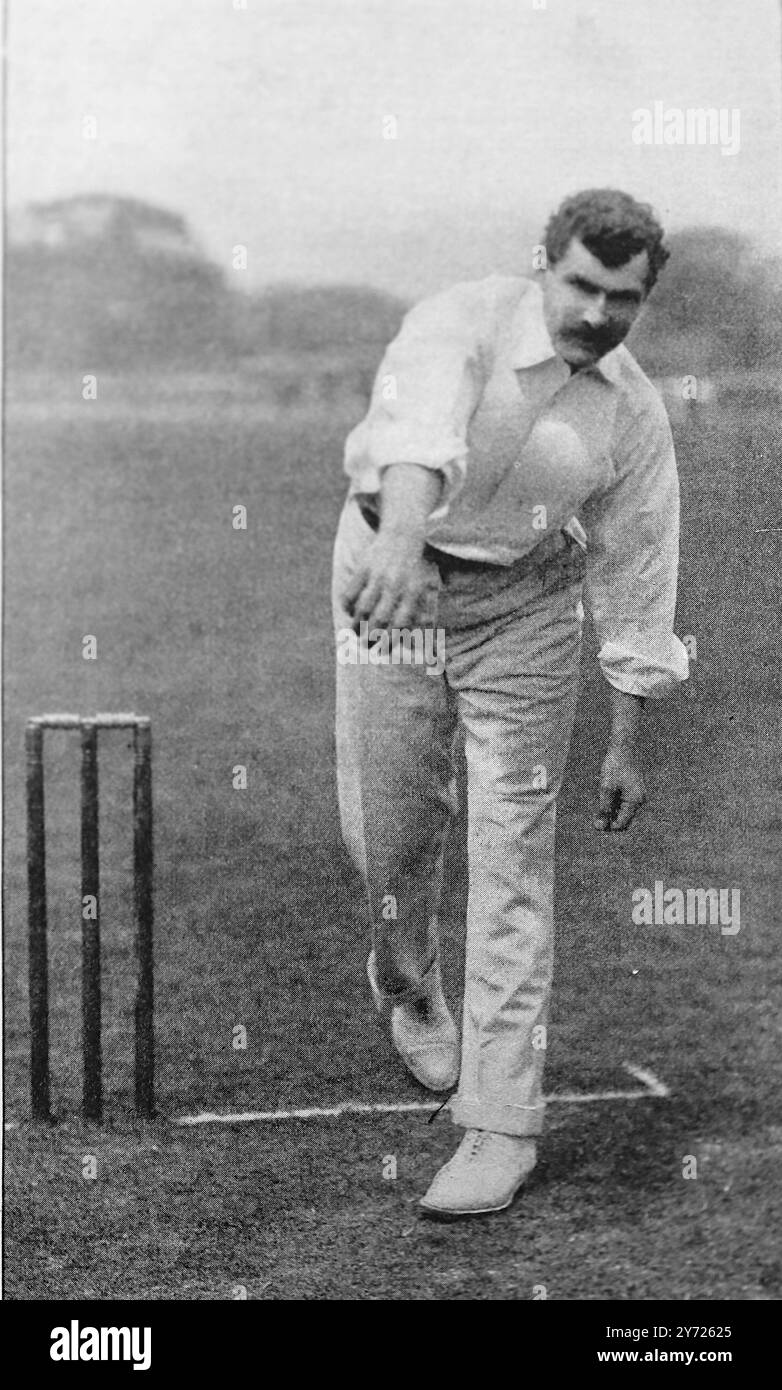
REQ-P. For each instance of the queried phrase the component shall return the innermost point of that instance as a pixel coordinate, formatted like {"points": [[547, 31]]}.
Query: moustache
{"points": [[600, 342]]}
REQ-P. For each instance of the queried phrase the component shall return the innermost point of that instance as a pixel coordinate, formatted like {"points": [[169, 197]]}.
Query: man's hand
{"points": [[391, 587], [621, 789]]}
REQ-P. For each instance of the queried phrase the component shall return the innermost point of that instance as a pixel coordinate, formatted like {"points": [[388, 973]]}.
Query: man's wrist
{"points": [[408, 533], [409, 494], [626, 720]]}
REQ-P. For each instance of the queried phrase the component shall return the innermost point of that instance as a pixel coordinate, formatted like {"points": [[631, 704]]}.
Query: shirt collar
{"points": [[531, 344]]}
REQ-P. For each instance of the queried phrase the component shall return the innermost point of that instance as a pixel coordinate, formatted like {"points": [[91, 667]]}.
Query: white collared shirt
{"points": [[459, 390]]}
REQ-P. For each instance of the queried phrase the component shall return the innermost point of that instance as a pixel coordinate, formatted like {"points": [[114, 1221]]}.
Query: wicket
{"points": [[92, 1102]]}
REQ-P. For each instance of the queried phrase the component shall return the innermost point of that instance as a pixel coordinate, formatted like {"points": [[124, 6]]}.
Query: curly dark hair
{"points": [[612, 225]]}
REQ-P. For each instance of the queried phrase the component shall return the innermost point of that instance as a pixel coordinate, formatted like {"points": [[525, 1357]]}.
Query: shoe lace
{"points": [[477, 1141]]}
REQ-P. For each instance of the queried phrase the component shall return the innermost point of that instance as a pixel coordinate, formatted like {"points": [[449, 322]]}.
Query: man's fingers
{"points": [[369, 597], [610, 795], [626, 813], [365, 605], [618, 808], [384, 600], [375, 601], [383, 609], [408, 612], [352, 588], [397, 608]]}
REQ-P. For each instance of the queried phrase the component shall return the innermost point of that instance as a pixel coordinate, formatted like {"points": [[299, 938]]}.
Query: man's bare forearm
{"points": [[627, 713], [408, 494]]}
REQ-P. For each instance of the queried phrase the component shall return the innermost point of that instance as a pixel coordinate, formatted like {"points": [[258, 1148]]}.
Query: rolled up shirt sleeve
{"points": [[632, 562], [426, 390]]}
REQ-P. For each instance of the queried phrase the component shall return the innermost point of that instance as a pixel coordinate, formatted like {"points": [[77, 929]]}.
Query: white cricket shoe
{"points": [[423, 1032], [484, 1175]]}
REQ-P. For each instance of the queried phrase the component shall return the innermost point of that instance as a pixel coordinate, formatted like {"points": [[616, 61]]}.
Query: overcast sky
{"points": [[265, 125]]}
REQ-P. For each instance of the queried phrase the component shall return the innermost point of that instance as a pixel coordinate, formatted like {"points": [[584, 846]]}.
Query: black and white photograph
{"points": [[392, 414]]}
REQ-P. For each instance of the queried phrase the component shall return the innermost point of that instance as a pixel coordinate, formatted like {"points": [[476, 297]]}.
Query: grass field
{"points": [[119, 525]]}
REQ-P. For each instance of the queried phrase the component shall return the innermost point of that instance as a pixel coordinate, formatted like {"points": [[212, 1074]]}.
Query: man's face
{"points": [[589, 309]]}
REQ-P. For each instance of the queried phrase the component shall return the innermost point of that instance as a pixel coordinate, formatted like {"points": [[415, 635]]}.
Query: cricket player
{"points": [[514, 458]]}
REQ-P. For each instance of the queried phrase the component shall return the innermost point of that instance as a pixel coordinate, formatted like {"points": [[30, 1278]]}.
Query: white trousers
{"points": [[511, 640]]}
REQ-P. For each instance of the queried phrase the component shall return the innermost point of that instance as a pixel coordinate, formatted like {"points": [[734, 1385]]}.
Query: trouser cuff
{"points": [[500, 1118]]}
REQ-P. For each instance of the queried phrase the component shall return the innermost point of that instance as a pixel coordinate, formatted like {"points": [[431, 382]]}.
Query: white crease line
{"points": [[652, 1087], [349, 1107], [657, 1088]]}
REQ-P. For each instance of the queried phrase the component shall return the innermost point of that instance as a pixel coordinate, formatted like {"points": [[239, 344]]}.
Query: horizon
{"points": [[242, 286]]}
